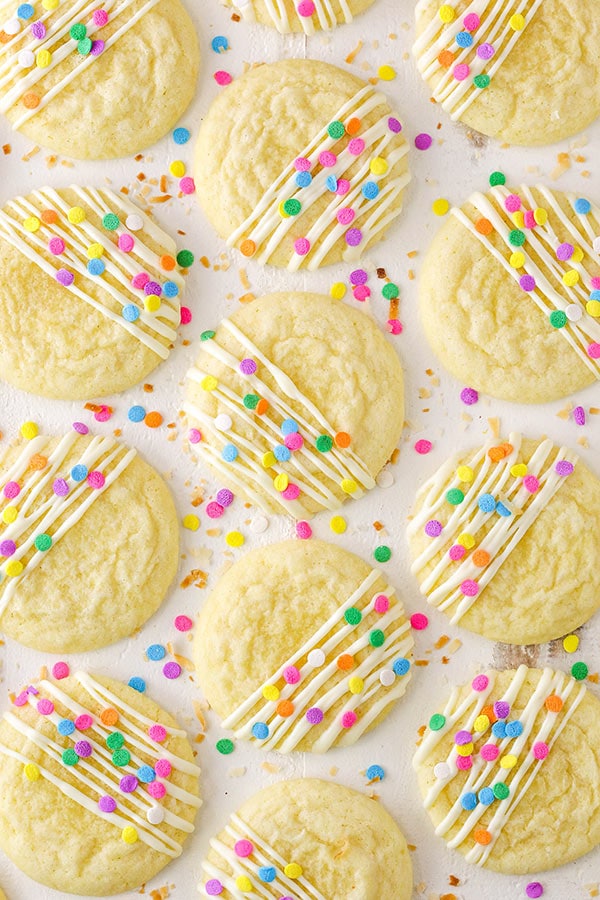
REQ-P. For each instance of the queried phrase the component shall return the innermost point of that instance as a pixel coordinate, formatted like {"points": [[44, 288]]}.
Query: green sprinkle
{"points": [[376, 638], [324, 443], [225, 746], [43, 542], [579, 671], [115, 740], [185, 259], [353, 616], [78, 31], [111, 222], [482, 81], [455, 497], [121, 757], [517, 237], [437, 722], [558, 319], [84, 47], [207, 335], [501, 791], [292, 207], [251, 401], [382, 554], [69, 757], [336, 130], [497, 178], [390, 291]]}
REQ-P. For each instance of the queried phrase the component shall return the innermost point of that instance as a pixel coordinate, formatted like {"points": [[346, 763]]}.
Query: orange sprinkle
{"points": [[262, 406], [553, 703], [248, 247], [345, 662], [484, 226], [49, 216], [446, 58], [480, 558], [353, 126], [342, 439], [167, 262], [38, 462], [109, 716], [31, 100], [489, 712], [508, 448], [496, 454], [153, 419], [482, 836], [285, 708], [4, 37]]}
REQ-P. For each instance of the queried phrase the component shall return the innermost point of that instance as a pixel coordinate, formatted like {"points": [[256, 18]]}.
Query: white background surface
{"points": [[452, 168]]}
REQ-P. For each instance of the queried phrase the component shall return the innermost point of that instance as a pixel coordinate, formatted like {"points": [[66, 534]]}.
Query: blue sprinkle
{"points": [[503, 510], [96, 266], [464, 39], [375, 772], [66, 727], [282, 453], [181, 135], [289, 426], [370, 190], [138, 684], [331, 183], [170, 289], [136, 414], [25, 11], [468, 801], [79, 472], [146, 774], [486, 503], [267, 873], [583, 207], [260, 731], [595, 295], [156, 652], [303, 179], [499, 730], [229, 452], [514, 729], [130, 312], [486, 796], [401, 666], [219, 44]]}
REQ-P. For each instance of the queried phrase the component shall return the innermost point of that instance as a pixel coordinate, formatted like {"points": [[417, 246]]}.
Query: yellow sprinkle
{"points": [[517, 259], [50, 4], [76, 215], [191, 522], [293, 870], [481, 723], [31, 771], [9, 514], [95, 251], [338, 524], [447, 13], [209, 383], [378, 166], [466, 540], [282, 212], [129, 834], [43, 59], [281, 481], [270, 692], [517, 22], [177, 168], [29, 430], [464, 749], [386, 73], [234, 539], [518, 218], [465, 473], [540, 215], [13, 568], [571, 643], [440, 206], [349, 486], [356, 684], [577, 255], [338, 290], [268, 459], [519, 470], [31, 224], [509, 761], [243, 883], [571, 278], [593, 308], [152, 303]]}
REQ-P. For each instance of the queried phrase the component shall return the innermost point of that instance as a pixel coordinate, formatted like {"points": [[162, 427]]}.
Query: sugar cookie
{"points": [[89, 542], [98, 785], [302, 646], [505, 540], [308, 16], [312, 840], [527, 73], [501, 766], [319, 174], [299, 401], [93, 79], [510, 292]]}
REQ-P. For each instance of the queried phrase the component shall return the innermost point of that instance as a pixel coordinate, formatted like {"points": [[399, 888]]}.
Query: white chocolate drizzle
{"points": [[324, 10], [442, 587], [456, 96], [156, 330], [40, 510], [327, 684], [462, 715], [265, 225], [93, 776]]}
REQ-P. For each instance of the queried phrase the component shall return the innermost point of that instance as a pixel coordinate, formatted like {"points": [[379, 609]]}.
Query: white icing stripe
{"points": [[442, 589], [265, 225], [285, 733], [551, 293], [120, 266], [324, 10], [103, 775], [456, 96], [487, 773], [263, 855], [61, 46], [39, 518]]}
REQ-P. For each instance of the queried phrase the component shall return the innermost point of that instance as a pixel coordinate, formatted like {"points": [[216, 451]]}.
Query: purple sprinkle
{"points": [[534, 890], [359, 276], [314, 715], [83, 748], [152, 287], [423, 141], [527, 282], [563, 467], [60, 487], [225, 497], [213, 887], [171, 670], [485, 51], [433, 528], [12, 489], [248, 367], [565, 251], [7, 548], [579, 415], [97, 48], [128, 784], [353, 237], [394, 125], [501, 709], [80, 427], [38, 30], [107, 804], [469, 396], [64, 277]]}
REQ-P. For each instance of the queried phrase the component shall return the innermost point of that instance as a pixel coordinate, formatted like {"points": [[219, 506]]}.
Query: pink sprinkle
{"points": [[530, 219], [20, 699], [140, 280], [423, 447], [382, 604], [103, 414], [100, 17], [579, 415], [469, 588], [163, 768], [60, 670], [456, 552], [187, 185], [593, 351], [185, 315], [45, 707], [471, 22], [356, 146], [345, 215], [469, 396], [157, 733], [83, 722], [540, 750], [394, 326], [464, 762], [302, 164], [194, 436], [419, 621], [80, 428], [243, 848], [512, 203], [489, 752], [292, 492], [306, 8], [183, 623], [294, 441], [156, 789], [223, 78], [96, 480], [302, 246], [362, 292], [11, 490], [327, 159], [303, 530], [349, 719], [531, 484], [126, 243], [56, 246], [480, 683], [343, 186], [461, 71], [596, 283], [291, 675], [214, 510]]}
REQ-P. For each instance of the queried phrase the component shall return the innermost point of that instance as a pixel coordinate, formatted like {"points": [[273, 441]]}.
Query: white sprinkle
{"points": [[223, 422], [155, 815], [574, 312], [13, 26], [259, 524], [134, 223], [316, 658], [596, 244], [387, 677], [385, 479], [26, 59], [442, 771]]}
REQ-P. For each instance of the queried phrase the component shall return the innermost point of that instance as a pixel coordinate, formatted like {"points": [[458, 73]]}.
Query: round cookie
{"points": [[505, 541], [89, 542], [94, 83], [90, 293], [98, 785], [314, 176], [527, 74], [299, 402], [510, 293], [306, 16], [309, 838], [500, 765], [302, 646]]}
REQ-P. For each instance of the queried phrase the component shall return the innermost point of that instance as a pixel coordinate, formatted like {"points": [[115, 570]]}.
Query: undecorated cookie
{"points": [[310, 840], [88, 542], [302, 646], [505, 540], [525, 73], [510, 292], [98, 785], [501, 766], [314, 175], [308, 16], [96, 80], [296, 401]]}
